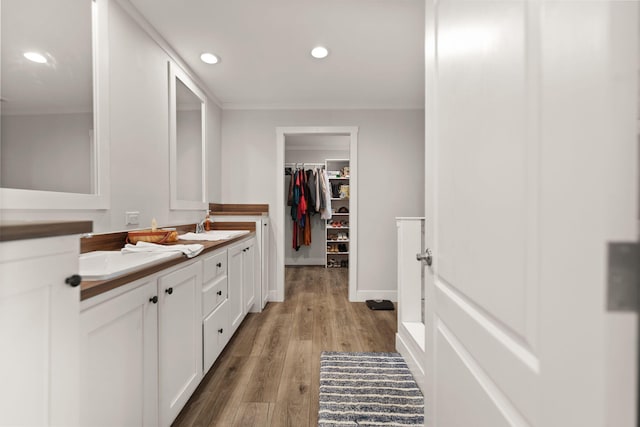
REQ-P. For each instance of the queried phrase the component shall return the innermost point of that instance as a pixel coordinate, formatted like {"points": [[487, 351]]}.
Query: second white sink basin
{"points": [[213, 235], [103, 265]]}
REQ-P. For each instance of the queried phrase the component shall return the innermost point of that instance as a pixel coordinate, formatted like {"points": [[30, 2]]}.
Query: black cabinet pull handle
{"points": [[169, 290], [219, 292], [220, 330], [154, 299], [219, 265], [73, 281]]}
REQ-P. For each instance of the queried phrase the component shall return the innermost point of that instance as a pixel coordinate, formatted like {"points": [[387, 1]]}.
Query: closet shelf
{"points": [[338, 258]]}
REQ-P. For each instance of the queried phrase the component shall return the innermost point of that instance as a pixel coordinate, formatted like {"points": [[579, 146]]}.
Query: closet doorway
{"points": [[335, 143]]}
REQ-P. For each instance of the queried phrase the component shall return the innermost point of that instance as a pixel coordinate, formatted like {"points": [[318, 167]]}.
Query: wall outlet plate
{"points": [[623, 276], [132, 218]]}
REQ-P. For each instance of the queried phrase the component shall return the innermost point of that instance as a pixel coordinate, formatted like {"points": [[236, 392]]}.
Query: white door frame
{"points": [[279, 212]]}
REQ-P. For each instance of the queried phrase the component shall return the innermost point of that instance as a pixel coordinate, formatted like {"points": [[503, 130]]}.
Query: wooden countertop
{"points": [[23, 230], [217, 209], [239, 213], [92, 288]]}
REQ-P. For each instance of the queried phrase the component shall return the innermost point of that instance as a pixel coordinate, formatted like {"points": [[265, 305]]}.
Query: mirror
{"points": [[187, 141], [51, 149]]}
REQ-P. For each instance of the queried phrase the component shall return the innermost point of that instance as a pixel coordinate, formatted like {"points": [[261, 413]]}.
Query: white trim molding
{"points": [[279, 220]]}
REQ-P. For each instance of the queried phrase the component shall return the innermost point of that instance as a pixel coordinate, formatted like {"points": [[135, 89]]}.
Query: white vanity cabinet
{"points": [[39, 320], [141, 349], [179, 338], [242, 273], [263, 232], [145, 345], [119, 356]]}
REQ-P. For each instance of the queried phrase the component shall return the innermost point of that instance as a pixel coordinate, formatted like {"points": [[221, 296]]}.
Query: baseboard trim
{"points": [[381, 294], [415, 365], [273, 296], [293, 262]]}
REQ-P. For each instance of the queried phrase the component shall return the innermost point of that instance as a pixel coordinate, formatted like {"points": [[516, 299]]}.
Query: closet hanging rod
{"points": [[296, 164]]}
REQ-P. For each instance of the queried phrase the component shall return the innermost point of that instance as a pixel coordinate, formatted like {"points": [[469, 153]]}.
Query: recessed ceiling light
{"points": [[209, 58], [319, 52], [35, 57]]}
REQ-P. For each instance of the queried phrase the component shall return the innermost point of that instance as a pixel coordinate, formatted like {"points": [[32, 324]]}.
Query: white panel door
{"points": [[180, 338], [531, 165], [263, 256], [39, 329], [249, 267], [119, 360], [234, 273]]}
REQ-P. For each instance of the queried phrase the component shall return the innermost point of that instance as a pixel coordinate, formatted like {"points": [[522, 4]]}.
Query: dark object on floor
{"points": [[379, 304]]}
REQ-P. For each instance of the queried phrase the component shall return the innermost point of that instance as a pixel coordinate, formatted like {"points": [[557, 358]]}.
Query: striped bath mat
{"points": [[368, 389]]}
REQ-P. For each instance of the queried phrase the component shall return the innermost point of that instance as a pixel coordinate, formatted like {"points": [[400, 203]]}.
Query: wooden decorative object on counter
{"points": [[152, 236]]}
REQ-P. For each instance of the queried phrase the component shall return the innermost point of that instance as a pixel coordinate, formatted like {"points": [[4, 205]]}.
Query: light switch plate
{"points": [[132, 218], [623, 276]]}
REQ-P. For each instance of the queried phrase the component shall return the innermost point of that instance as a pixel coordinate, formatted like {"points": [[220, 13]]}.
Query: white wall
{"points": [[390, 175], [139, 141]]}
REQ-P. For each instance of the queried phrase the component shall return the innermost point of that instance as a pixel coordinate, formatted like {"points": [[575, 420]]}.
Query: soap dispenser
{"points": [[207, 222]]}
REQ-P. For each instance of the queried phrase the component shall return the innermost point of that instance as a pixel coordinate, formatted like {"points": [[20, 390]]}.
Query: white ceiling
{"points": [[376, 50]]}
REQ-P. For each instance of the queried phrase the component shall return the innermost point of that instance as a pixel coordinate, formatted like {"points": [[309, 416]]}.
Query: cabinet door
{"points": [[215, 334], [249, 275], [180, 338], [236, 312], [39, 318], [118, 363], [264, 259]]}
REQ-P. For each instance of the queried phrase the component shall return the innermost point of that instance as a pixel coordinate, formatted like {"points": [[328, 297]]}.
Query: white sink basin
{"points": [[213, 235], [103, 265]]}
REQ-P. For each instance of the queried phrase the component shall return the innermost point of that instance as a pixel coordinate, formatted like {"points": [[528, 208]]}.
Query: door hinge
{"points": [[623, 276]]}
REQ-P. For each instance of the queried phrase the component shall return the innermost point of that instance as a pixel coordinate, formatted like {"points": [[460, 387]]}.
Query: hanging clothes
{"points": [[325, 213], [310, 189], [308, 193], [318, 176], [301, 207]]}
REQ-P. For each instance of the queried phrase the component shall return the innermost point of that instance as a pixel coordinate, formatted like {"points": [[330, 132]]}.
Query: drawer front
{"points": [[213, 293], [215, 335], [215, 266]]}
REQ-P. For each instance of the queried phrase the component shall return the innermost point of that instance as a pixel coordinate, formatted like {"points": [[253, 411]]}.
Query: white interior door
{"points": [[531, 170]]}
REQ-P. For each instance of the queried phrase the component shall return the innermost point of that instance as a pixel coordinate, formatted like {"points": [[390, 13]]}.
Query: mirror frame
{"points": [[11, 198], [175, 72]]}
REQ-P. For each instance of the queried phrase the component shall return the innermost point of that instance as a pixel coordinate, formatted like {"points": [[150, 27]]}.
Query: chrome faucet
{"points": [[200, 228]]}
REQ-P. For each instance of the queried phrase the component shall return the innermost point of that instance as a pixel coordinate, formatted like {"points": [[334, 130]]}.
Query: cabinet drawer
{"points": [[213, 293], [215, 266], [215, 335]]}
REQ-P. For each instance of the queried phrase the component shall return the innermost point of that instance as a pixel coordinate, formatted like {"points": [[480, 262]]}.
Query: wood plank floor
{"points": [[268, 375]]}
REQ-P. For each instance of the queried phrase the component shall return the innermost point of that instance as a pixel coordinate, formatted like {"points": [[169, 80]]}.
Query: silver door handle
{"points": [[426, 257]]}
